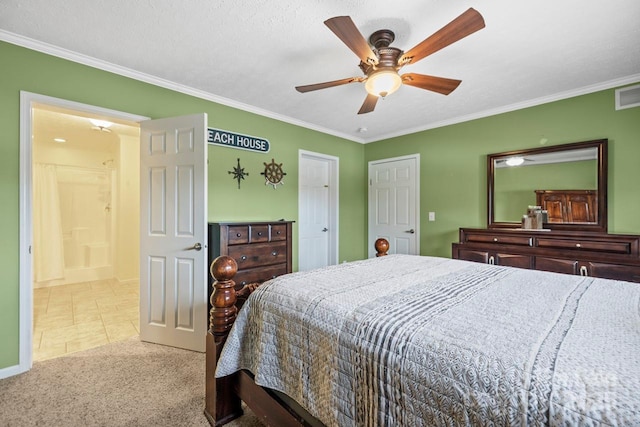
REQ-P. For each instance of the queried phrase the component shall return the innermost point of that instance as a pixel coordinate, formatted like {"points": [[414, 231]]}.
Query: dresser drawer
{"points": [[505, 240], [614, 271], [278, 232], [259, 233], [259, 274], [556, 265], [258, 254], [238, 234], [587, 245]]}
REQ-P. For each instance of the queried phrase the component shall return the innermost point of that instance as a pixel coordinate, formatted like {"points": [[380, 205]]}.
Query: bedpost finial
{"points": [[223, 268], [223, 298], [382, 246]]}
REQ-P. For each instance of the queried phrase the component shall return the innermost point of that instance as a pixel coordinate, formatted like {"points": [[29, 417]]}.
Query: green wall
{"points": [[453, 180], [27, 70], [453, 160]]}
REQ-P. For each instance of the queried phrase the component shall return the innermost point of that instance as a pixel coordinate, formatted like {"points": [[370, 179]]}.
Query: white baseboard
{"points": [[11, 371]]}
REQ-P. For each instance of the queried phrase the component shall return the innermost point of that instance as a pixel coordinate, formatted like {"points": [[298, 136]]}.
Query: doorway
{"points": [[317, 210], [84, 171], [80, 193]]}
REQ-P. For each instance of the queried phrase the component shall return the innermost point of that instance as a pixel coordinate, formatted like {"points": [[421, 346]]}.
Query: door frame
{"points": [[27, 99], [415, 157], [334, 193]]}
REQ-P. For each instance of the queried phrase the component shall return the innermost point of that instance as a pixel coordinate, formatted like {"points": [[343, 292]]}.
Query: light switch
{"points": [[432, 216]]}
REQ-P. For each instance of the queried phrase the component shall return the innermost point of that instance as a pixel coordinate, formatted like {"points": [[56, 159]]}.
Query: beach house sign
{"points": [[236, 140]]}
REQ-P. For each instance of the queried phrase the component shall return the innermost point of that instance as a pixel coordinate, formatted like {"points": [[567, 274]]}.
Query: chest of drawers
{"points": [[261, 249], [611, 256]]}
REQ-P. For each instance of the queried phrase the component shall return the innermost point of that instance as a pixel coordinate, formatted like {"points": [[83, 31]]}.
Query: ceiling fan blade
{"points": [[346, 30], [309, 88], [432, 83], [369, 104], [467, 23]]}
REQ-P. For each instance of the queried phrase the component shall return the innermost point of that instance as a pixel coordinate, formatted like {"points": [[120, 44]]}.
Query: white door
{"points": [[317, 216], [173, 231], [394, 204]]}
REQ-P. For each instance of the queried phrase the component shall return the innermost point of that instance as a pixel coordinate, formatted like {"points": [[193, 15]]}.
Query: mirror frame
{"points": [[600, 225]]}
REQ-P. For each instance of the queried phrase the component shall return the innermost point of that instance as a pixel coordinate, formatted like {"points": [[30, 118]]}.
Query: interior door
{"points": [[173, 231], [394, 204], [314, 221]]}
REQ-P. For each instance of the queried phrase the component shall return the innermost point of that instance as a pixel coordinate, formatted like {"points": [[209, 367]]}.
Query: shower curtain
{"points": [[48, 247]]}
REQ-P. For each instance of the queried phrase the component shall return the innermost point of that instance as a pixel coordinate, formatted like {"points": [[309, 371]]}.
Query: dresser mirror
{"points": [[569, 181]]}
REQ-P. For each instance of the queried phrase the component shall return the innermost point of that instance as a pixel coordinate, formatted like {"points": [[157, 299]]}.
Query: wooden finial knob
{"points": [[223, 268], [382, 246]]}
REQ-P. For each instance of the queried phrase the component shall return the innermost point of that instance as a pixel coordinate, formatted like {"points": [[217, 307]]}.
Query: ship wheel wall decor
{"points": [[273, 173]]}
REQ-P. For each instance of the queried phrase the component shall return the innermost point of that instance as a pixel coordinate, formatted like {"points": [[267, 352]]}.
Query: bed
{"points": [[405, 340]]}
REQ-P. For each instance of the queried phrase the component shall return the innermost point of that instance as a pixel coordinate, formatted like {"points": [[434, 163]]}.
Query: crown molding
{"points": [[90, 61], [585, 90], [56, 51]]}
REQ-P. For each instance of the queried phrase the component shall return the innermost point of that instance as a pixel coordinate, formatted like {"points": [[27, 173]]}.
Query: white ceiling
{"points": [[251, 54], [49, 123]]}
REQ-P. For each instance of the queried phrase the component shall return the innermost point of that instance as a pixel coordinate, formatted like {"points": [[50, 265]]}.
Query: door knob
{"points": [[325, 229], [412, 231], [196, 247]]}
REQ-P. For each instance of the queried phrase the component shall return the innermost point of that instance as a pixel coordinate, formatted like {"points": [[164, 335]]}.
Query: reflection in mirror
{"points": [[568, 181], [515, 185]]}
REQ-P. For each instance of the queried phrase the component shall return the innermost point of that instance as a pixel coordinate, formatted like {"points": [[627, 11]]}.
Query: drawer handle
{"points": [[238, 235], [243, 257], [274, 253], [278, 232], [244, 282], [578, 245], [259, 233], [495, 239]]}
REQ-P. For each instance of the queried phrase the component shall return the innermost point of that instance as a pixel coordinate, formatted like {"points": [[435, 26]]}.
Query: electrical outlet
{"points": [[432, 216]]}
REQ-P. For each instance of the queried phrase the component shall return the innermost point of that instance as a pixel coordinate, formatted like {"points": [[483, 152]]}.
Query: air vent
{"points": [[628, 97]]}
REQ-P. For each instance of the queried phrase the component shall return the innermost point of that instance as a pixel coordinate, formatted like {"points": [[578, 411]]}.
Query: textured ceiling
{"points": [[251, 54]]}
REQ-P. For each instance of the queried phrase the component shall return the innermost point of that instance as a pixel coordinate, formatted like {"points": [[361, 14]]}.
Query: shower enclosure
{"points": [[75, 229]]}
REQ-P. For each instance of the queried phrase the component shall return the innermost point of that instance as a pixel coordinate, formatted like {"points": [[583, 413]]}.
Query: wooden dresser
{"points": [[261, 249], [612, 256]]}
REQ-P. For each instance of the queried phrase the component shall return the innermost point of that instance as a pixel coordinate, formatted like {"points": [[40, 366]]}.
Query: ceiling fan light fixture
{"points": [[514, 161], [383, 82]]}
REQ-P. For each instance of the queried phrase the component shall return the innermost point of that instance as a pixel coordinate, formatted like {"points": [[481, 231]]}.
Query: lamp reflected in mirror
{"points": [[514, 161]]}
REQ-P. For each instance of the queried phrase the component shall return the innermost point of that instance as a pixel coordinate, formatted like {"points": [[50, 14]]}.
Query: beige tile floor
{"points": [[80, 316]]}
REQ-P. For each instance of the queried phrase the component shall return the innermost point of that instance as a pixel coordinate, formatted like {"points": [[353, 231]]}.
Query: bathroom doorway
{"points": [[85, 222]]}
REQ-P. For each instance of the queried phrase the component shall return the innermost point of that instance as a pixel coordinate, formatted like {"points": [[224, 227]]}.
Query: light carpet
{"points": [[128, 383]]}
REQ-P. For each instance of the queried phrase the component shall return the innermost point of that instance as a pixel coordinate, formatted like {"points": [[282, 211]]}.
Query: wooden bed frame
{"points": [[224, 395]]}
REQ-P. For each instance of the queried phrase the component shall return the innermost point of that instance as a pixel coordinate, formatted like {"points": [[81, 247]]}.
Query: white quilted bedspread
{"points": [[420, 341]]}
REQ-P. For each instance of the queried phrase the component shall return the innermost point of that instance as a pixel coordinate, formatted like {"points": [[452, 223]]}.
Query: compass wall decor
{"points": [[273, 173], [238, 173]]}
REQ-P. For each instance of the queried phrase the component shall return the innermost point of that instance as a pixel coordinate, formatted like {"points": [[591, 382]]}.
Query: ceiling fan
{"points": [[381, 64]]}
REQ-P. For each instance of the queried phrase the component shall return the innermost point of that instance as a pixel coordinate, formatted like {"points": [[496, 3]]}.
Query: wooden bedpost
{"points": [[221, 402], [382, 246]]}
